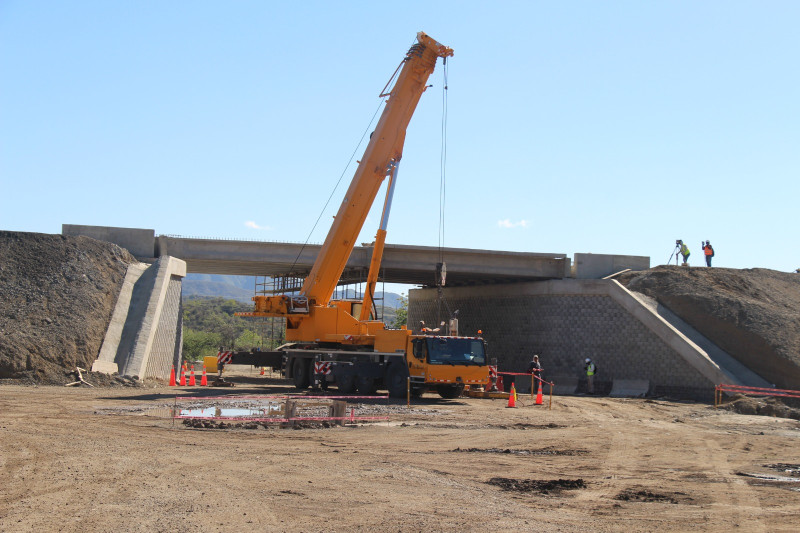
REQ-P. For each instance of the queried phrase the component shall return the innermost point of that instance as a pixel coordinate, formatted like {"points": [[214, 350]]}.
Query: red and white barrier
{"points": [[224, 358]]}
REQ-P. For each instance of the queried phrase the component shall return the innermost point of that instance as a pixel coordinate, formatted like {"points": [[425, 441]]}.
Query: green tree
{"points": [[250, 339], [216, 315], [199, 344], [401, 315]]}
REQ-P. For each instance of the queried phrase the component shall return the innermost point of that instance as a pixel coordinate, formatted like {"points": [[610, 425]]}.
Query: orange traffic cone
{"points": [[183, 376], [172, 377], [539, 395], [512, 397], [204, 379], [192, 382], [262, 370]]}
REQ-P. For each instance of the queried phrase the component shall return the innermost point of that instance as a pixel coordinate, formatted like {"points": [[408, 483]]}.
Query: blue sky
{"points": [[603, 127]]}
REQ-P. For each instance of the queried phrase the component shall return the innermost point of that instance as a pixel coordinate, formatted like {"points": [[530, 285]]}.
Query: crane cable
{"points": [[349, 162], [443, 162], [383, 96], [442, 194]]}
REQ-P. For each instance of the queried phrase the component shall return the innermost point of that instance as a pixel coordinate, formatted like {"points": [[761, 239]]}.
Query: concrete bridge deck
{"points": [[414, 265]]}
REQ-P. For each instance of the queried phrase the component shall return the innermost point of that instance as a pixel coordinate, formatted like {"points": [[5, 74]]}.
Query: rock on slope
{"points": [[752, 314], [57, 294]]}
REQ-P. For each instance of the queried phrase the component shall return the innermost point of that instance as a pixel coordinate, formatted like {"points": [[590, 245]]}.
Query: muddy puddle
{"points": [[536, 452], [520, 425], [786, 468], [541, 486], [201, 423], [645, 495]]}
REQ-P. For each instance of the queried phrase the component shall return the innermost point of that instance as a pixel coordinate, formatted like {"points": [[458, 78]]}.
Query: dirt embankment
{"points": [[57, 294], [752, 314]]}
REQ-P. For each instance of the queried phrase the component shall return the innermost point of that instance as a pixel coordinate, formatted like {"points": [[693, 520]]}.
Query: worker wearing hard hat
{"points": [[709, 251], [591, 369]]}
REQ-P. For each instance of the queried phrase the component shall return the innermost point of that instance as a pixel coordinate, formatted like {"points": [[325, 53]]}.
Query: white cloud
{"points": [[253, 225], [506, 223]]}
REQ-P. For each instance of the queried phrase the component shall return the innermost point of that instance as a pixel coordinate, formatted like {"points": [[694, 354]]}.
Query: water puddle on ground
{"points": [[229, 412]]}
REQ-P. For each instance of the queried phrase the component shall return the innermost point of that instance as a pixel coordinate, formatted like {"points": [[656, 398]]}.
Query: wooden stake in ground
{"points": [[78, 371]]}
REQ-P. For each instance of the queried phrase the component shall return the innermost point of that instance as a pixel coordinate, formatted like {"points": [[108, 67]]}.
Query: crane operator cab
{"points": [[448, 364]]}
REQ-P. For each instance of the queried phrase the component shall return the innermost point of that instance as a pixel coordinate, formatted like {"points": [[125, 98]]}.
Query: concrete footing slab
{"points": [[564, 386], [630, 388]]}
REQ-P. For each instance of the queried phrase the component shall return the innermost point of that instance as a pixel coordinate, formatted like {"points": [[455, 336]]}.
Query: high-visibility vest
{"points": [[590, 369], [709, 250]]}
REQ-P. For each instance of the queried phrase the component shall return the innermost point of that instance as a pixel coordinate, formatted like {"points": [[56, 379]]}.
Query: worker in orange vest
{"points": [[709, 251]]}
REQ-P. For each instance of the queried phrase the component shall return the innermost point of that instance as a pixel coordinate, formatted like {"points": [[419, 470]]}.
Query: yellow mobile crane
{"points": [[363, 354]]}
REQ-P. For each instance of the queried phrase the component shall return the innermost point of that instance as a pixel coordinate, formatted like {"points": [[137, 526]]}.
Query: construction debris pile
{"points": [[752, 314], [57, 294]]}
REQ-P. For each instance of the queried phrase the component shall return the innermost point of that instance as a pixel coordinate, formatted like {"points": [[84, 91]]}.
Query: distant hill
{"points": [[239, 288], [242, 288]]}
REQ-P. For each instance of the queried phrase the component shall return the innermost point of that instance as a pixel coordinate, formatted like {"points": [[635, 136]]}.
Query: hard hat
{"points": [[588, 360], [536, 357]]}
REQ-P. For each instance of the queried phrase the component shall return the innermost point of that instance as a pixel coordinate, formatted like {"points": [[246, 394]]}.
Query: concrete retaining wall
{"points": [[145, 336], [140, 242], [565, 321], [596, 266]]}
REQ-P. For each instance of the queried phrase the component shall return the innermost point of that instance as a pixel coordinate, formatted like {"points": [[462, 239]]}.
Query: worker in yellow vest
{"points": [[591, 370], [685, 253]]}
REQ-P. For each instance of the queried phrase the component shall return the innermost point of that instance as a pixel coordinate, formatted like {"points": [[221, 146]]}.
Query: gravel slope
{"points": [[57, 294], [752, 314]]}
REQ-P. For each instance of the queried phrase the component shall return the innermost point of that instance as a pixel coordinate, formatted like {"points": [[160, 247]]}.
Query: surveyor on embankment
{"points": [[685, 253], [709, 251]]}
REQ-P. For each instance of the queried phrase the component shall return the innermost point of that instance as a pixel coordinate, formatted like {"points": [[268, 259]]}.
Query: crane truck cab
{"points": [[444, 364], [447, 364]]}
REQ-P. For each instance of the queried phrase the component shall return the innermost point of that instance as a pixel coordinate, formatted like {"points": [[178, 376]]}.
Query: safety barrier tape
{"points": [[282, 397], [282, 420], [524, 374], [758, 391]]}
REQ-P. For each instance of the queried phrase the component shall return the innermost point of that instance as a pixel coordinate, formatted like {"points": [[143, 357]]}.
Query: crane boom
{"points": [[312, 316], [384, 150]]}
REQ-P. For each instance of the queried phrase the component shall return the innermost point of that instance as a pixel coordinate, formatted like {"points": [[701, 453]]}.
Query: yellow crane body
{"points": [[316, 323]]}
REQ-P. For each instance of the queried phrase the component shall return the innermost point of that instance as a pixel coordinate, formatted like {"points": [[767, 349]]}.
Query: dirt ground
{"points": [[113, 459]]}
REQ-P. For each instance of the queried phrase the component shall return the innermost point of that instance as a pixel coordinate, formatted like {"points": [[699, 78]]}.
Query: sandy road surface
{"points": [[111, 460]]}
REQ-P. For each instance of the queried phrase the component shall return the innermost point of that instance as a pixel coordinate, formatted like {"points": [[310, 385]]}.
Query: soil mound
{"points": [[57, 294], [748, 405], [752, 314]]}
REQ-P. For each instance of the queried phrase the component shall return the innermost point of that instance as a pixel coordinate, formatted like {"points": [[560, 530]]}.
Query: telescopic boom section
{"points": [[383, 152]]}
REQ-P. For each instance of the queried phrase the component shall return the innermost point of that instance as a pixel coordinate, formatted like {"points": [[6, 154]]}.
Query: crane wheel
{"points": [[302, 373], [366, 386], [396, 381], [346, 384]]}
